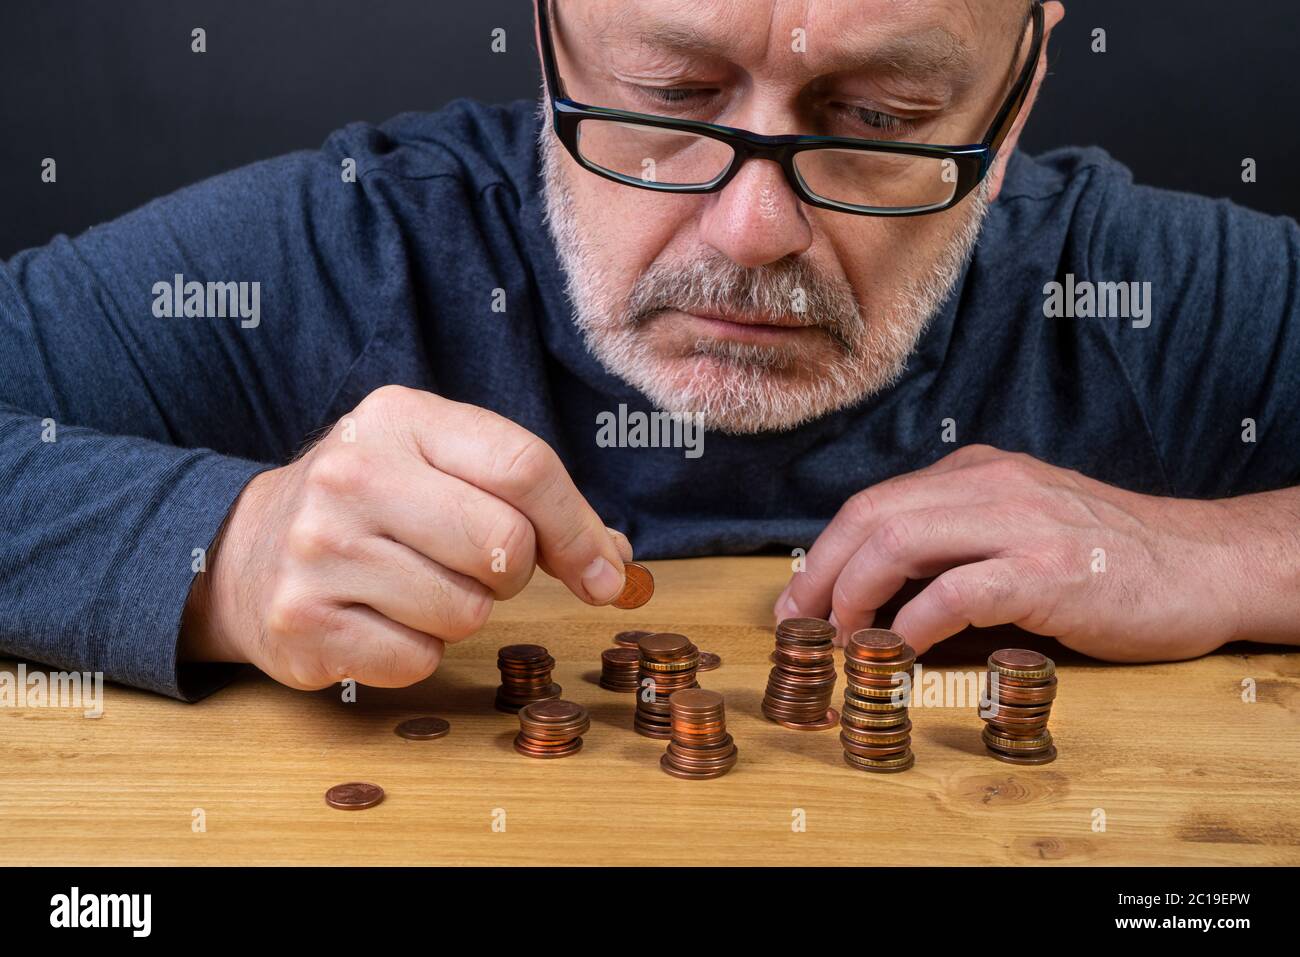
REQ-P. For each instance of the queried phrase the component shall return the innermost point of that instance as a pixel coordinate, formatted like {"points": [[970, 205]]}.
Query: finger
{"points": [[621, 541], [910, 545], [508, 461], [984, 594], [406, 587], [940, 483], [809, 592], [455, 524], [363, 645]]}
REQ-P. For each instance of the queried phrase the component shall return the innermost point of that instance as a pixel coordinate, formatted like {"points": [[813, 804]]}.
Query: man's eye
{"points": [[876, 121], [672, 94]]}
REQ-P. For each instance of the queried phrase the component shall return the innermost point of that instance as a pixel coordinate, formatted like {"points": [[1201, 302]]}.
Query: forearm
{"points": [[103, 537], [1262, 561]]}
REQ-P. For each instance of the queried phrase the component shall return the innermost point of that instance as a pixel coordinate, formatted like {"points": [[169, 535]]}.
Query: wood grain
{"points": [[1184, 770]]}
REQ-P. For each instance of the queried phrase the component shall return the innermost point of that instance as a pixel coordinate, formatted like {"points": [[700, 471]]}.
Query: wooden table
{"points": [[1183, 770]]}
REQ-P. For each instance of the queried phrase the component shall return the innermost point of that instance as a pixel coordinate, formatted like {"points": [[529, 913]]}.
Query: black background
{"points": [[110, 89]]}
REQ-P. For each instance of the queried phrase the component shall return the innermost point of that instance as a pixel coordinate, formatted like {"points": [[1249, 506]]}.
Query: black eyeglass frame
{"points": [[972, 162]]}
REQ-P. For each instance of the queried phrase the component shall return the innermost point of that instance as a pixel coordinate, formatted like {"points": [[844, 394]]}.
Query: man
{"points": [[456, 307]]}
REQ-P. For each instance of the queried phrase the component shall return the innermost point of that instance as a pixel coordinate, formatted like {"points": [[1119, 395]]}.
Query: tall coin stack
{"points": [[700, 747], [670, 661], [620, 668], [799, 688], [874, 728], [525, 676], [551, 728], [1022, 687]]}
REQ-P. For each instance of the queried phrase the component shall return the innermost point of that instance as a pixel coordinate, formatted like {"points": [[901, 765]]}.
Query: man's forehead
{"points": [[915, 36]]}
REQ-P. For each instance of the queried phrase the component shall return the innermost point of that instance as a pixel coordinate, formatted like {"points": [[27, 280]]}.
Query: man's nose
{"points": [[756, 219]]}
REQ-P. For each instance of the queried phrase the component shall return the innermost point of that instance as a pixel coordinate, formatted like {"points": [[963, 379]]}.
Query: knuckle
{"points": [[311, 538], [341, 473], [860, 509], [894, 538], [387, 399], [953, 595], [518, 544], [425, 662], [472, 612], [527, 464], [291, 613]]}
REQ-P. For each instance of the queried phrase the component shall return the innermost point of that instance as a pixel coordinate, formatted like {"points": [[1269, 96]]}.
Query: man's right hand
{"points": [[392, 535]]}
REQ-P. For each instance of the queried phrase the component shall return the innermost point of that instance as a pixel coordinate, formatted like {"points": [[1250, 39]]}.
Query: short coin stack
{"points": [[551, 729], [670, 662], [799, 688], [620, 668], [874, 728], [700, 747], [1022, 687], [525, 676]]}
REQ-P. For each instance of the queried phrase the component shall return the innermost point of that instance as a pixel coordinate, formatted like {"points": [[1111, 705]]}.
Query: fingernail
{"points": [[602, 581], [785, 608]]}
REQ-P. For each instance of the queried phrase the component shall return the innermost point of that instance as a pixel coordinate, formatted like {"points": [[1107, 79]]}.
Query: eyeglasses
{"points": [[850, 175]]}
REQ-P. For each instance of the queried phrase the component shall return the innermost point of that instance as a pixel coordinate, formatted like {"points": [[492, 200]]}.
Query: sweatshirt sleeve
{"points": [[1215, 361], [149, 368]]}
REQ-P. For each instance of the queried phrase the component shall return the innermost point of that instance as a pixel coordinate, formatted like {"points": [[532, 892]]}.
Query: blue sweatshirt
{"points": [[129, 424]]}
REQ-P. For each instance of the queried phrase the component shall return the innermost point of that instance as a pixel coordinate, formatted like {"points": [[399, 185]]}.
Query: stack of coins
{"points": [[525, 676], [620, 669], [1022, 686], [799, 687], [874, 728], [669, 661], [700, 746], [551, 729]]}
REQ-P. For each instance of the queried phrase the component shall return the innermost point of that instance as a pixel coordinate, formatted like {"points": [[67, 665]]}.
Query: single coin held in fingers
{"points": [[638, 586]]}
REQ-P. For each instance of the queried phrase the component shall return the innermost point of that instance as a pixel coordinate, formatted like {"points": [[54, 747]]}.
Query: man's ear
{"points": [[1053, 13]]}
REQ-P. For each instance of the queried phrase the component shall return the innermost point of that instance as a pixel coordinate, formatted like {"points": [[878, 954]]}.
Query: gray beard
{"points": [[735, 387]]}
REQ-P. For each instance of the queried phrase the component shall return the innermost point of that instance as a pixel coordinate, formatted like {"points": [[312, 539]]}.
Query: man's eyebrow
{"points": [[933, 52]]}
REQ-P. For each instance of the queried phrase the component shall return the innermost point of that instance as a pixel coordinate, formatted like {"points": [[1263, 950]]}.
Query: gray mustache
{"points": [[793, 291]]}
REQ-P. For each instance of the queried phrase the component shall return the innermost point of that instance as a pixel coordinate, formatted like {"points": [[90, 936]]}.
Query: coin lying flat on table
{"points": [[638, 586], [422, 729], [709, 661], [354, 796]]}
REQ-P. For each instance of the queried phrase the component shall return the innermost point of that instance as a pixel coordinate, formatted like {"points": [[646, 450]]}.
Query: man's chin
{"points": [[745, 391]]}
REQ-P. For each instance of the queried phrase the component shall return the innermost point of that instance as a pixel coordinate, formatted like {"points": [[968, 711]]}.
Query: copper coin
{"points": [[526, 747], [1046, 757], [630, 638], [553, 710], [1021, 662], [885, 765], [830, 720], [709, 661], [621, 655], [638, 586], [876, 644], [695, 701], [354, 796], [814, 630], [667, 765], [665, 645], [423, 729], [522, 653]]}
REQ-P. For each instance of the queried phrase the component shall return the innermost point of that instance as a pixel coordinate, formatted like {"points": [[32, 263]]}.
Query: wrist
{"points": [[1259, 560], [209, 623]]}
